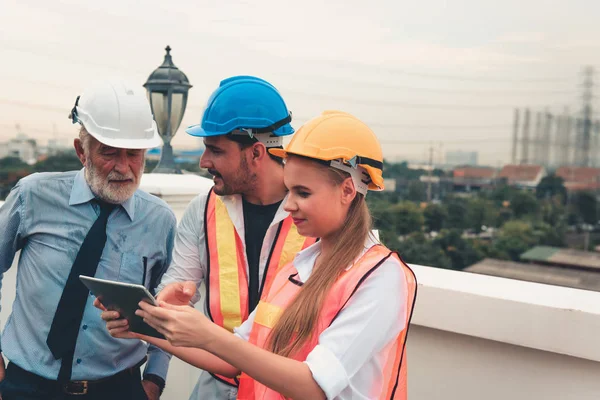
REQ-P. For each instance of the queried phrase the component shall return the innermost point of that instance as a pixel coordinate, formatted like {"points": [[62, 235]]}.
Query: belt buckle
{"points": [[76, 388]]}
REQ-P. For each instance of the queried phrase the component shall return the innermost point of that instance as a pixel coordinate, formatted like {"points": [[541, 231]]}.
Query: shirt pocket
{"points": [[134, 269]]}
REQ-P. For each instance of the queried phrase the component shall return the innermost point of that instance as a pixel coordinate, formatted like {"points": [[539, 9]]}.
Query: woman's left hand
{"points": [[182, 326]]}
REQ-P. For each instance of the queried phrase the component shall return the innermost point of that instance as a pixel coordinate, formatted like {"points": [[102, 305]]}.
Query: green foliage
{"points": [[461, 252], [12, 164], [480, 212], [407, 217], [417, 191], [435, 216], [585, 205], [524, 204], [66, 161], [11, 170], [416, 249], [551, 186], [457, 211], [515, 238]]}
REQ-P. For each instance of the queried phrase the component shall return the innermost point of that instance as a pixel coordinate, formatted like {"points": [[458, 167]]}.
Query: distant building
{"points": [[389, 184], [455, 158], [580, 178], [522, 176], [57, 146], [472, 179], [20, 147], [562, 257], [550, 275]]}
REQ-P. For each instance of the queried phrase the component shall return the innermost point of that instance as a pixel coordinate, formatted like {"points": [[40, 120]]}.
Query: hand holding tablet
{"points": [[123, 298]]}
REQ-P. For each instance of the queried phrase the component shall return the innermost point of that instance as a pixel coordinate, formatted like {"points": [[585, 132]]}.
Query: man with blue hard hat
{"points": [[235, 237]]}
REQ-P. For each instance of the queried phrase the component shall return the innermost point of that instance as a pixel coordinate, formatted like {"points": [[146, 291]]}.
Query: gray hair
{"points": [[84, 136]]}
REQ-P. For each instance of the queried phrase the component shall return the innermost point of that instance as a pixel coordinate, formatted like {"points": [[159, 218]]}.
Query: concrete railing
{"points": [[482, 337], [472, 336]]}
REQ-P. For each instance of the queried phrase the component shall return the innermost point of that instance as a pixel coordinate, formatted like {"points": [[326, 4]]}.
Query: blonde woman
{"points": [[333, 323]]}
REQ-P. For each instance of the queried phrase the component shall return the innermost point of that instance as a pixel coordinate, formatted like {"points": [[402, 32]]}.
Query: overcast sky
{"points": [[447, 72]]}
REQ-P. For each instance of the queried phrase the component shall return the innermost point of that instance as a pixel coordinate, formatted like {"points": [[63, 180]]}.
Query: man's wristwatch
{"points": [[160, 382]]}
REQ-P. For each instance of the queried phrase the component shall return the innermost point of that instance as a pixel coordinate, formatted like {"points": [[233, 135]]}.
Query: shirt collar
{"points": [[81, 193], [305, 259]]}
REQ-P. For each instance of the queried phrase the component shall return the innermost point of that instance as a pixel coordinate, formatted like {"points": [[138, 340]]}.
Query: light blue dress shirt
{"points": [[47, 217]]}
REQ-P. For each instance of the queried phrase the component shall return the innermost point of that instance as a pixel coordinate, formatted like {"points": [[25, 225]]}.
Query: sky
{"points": [[437, 74]]}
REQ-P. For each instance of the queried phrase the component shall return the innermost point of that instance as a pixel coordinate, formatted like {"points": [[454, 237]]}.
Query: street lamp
{"points": [[167, 90]]}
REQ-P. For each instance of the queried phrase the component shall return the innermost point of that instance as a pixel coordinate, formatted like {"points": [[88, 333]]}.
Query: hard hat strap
{"points": [[265, 134], [268, 139], [354, 161], [272, 127], [360, 176], [74, 115]]}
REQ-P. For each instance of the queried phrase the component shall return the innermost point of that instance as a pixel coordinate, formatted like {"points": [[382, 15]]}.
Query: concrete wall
{"points": [[475, 337], [450, 366]]}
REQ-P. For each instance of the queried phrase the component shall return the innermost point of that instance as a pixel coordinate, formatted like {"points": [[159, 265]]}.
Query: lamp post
{"points": [[167, 88]]}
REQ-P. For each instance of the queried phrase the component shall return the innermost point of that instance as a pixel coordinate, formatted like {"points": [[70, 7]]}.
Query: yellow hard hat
{"points": [[336, 135]]}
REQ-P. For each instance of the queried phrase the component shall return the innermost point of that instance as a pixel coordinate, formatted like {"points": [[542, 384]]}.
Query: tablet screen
{"points": [[124, 298]]}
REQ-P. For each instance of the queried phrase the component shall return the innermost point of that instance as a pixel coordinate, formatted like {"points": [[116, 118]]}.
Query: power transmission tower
{"points": [[582, 144], [563, 138], [596, 145], [545, 143], [515, 140], [525, 139], [538, 139], [430, 173]]}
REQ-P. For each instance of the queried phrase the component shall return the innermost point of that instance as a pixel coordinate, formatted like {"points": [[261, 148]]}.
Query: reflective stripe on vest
{"points": [[227, 281], [392, 384]]}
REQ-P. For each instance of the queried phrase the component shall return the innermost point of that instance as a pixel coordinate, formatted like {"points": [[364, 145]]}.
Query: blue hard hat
{"points": [[244, 102]]}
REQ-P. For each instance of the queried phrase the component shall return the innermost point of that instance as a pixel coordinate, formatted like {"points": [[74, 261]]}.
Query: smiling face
{"points": [[228, 163], [113, 174], [319, 196]]}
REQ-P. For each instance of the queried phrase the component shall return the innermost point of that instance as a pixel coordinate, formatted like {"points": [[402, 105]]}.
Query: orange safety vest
{"points": [[392, 384], [227, 280]]}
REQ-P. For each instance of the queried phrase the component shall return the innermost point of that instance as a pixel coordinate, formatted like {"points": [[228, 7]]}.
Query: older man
{"points": [[91, 222]]}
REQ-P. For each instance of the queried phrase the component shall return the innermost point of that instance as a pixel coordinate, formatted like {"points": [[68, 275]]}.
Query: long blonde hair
{"points": [[298, 321]]}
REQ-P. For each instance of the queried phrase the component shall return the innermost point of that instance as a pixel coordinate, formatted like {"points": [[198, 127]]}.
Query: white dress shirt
{"points": [[189, 264], [348, 358]]}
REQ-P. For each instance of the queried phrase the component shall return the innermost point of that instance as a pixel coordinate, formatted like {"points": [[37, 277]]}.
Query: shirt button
{"points": [[84, 327], [79, 361]]}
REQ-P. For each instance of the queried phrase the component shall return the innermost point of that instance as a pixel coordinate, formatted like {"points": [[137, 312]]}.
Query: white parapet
{"points": [[482, 337]]}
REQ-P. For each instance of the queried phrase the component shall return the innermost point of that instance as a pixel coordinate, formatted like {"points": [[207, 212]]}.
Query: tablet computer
{"points": [[124, 298]]}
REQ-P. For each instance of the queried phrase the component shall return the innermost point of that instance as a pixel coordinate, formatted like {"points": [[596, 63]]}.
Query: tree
{"points": [[407, 218], [12, 169], [587, 207], [12, 164], [502, 193], [416, 191], [457, 212], [416, 249], [551, 186], [514, 239], [553, 212], [435, 216], [383, 218], [480, 212], [524, 204], [460, 251], [550, 235], [67, 161]]}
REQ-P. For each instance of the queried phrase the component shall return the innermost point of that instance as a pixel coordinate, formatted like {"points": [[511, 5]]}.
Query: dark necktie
{"points": [[67, 319]]}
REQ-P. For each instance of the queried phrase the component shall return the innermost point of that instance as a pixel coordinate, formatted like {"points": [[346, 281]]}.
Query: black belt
{"points": [[75, 387]]}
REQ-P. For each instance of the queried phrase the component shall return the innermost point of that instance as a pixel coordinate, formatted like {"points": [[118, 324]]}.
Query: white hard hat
{"points": [[117, 114]]}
